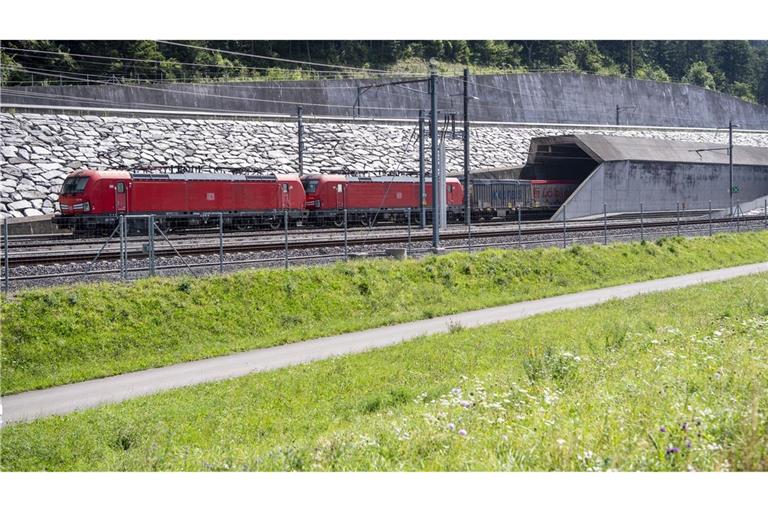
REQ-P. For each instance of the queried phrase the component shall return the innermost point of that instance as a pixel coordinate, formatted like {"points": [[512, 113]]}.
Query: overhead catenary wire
{"points": [[238, 98], [291, 61], [39, 72], [22, 51]]}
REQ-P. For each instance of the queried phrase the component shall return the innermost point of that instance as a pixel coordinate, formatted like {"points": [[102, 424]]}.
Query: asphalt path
{"points": [[31, 405]]}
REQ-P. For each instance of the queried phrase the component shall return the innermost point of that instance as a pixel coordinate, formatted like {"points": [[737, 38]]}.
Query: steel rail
{"points": [[20, 259]]}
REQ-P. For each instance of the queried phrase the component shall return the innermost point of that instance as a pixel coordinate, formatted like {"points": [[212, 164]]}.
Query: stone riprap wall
{"points": [[37, 151]]}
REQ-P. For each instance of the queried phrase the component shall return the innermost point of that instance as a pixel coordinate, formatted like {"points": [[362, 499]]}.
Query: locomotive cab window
{"points": [[120, 188], [74, 185], [310, 186]]}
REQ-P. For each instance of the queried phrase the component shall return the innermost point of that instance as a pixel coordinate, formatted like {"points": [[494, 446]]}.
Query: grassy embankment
{"points": [[668, 381], [74, 333]]}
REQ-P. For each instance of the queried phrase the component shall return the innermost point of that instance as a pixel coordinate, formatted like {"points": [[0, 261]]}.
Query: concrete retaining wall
{"points": [[623, 185], [525, 97]]}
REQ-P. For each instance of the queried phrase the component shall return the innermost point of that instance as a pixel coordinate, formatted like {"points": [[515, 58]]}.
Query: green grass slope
{"points": [[668, 381], [74, 333]]}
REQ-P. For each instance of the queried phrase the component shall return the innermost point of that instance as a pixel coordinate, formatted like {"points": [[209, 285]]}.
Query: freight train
{"points": [[91, 200]]}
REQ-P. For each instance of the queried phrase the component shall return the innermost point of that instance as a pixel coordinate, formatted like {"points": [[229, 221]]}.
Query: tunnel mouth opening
{"points": [[565, 161]]}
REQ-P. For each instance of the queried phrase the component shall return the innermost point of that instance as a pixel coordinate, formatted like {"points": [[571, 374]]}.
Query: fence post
{"points": [[221, 242], [519, 228], [678, 218], [346, 252], [605, 225], [123, 248], [642, 227], [6, 267], [565, 241], [151, 242], [710, 218], [285, 222], [408, 247], [469, 234]]}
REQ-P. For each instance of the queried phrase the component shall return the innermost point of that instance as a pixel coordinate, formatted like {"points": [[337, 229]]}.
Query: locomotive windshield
{"points": [[74, 185], [310, 186]]}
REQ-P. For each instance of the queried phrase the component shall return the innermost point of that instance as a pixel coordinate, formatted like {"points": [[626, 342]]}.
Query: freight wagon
{"points": [[492, 198], [369, 200], [91, 200]]}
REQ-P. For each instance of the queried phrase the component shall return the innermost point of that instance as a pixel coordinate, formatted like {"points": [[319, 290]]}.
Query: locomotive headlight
{"points": [[86, 206], [317, 203]]}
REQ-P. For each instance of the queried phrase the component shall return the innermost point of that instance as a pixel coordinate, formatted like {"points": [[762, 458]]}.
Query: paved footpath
{"points": [[83, 395]]}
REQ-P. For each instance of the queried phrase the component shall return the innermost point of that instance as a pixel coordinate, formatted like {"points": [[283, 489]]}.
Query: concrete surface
{"points": [[520, 97], [84, 395]]}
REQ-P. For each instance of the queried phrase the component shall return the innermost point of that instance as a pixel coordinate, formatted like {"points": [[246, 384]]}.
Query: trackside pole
{"points": [[519, 227], [123, 243], [408, 247], [346, 248], [605, 225], [422, 185], [642, 227], [738, 214], [221, 243], [469, 235], [678, 218], [6, 267], [151, 242], [565, 241], [285, 223], [765, 209], [710, 218]]}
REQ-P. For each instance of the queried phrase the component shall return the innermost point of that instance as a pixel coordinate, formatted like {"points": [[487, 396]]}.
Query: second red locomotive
{"points": [[369, 200]]}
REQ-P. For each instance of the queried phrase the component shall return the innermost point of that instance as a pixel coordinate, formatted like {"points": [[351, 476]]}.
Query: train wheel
{"points": [[366, 220], [275, 223], [338, 221]]}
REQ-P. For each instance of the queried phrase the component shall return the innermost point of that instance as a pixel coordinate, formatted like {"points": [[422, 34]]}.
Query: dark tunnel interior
{"points": [[564, 161]]}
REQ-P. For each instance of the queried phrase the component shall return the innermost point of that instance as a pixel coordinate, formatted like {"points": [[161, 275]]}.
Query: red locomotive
{"points": [[90, 200], [372, 199]]}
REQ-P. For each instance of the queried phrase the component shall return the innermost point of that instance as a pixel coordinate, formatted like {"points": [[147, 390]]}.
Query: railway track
{"points": [[198, 245]]}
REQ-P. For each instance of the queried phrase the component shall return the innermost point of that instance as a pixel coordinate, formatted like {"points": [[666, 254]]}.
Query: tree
{"points": [[654, 73], [698, 74], [762, 91], [744, 91]]}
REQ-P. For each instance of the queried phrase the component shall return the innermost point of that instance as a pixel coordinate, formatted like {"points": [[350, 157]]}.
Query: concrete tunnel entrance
{"points": [[558, 160]]}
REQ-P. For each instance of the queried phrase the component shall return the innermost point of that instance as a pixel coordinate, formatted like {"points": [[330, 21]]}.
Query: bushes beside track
{"points": [[73, 333]]}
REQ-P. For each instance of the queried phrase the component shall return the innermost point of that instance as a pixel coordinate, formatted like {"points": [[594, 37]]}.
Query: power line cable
{"points": [[292, 61], [238, 98], [167, 62]]}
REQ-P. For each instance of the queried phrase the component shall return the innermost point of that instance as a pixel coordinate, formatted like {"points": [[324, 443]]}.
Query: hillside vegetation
{"points": [[739, 68], [74, 333], [673, 381]]}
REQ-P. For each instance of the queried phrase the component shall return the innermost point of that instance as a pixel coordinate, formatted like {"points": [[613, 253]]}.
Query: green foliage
{"points": [[72, 333], [698, 74], [652, 73], [660, 382], [734, 67], [744, 91]]}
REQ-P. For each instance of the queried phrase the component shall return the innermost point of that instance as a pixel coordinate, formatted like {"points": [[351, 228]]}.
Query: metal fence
{"points": [[127, 247]]}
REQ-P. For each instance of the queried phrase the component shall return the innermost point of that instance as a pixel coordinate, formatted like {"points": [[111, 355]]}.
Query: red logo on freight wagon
{"points": [[210, 196]]}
